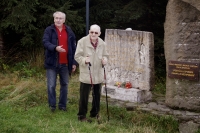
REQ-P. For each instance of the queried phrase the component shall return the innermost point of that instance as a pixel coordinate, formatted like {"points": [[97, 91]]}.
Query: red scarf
{"points": [[94, 44]]}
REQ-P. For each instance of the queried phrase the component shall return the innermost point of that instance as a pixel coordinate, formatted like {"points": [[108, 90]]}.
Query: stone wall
{"points": [[182, 43]]}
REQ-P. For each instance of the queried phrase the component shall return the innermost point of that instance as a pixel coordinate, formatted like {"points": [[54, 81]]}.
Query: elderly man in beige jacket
{"points": [[91, 54]]}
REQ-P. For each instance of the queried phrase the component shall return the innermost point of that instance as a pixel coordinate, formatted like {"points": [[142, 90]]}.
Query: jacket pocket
{"points": [[85, 77], [101, 76], [50, 59]]}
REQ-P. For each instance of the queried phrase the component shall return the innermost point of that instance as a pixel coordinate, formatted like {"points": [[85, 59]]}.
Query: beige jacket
{"points": [[84, 49]]}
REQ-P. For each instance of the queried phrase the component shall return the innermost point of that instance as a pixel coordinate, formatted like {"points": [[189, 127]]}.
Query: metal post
{"points": [[87, 17]]}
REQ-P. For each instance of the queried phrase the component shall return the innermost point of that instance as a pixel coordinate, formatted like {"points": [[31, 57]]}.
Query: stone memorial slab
{"points": [[131, 59]]}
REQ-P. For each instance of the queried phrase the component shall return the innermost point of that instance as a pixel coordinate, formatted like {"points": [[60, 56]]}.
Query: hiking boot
{"points": [[84, 119], [52, 109], [94, 116], [62, 108]]}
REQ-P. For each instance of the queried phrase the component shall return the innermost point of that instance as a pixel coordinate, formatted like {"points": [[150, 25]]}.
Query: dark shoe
{"points": [[84, 119], [62, 108], [94, 116], [52, 109]]}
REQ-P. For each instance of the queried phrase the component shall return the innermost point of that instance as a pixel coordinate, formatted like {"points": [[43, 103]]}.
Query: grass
{"points": [[24, 109]]}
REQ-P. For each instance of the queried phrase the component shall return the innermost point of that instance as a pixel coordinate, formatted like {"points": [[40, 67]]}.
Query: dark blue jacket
{"points": [[50, 41]]}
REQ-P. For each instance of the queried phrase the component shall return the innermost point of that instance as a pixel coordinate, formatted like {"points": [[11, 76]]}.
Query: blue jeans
{"points": [[62, 71]]}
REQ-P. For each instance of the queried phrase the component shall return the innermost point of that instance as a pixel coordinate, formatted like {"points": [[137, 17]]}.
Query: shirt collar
{"points": [[63, 27], [94, 44]]}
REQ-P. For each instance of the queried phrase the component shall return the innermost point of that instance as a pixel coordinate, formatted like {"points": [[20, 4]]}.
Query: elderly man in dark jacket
{"points": [[60, 46]]}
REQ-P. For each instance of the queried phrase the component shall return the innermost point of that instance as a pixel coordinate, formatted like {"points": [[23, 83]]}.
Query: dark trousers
{"points": [[84, 96]]}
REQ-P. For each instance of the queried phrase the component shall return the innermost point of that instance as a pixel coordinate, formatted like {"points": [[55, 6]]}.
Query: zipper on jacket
{"points": [[57, 56]]}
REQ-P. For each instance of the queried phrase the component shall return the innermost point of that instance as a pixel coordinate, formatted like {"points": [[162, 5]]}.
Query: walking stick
{"points": [[92, 89], [106, 91]]}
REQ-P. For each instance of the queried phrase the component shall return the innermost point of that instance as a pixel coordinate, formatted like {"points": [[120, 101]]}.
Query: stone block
{"points": [[131, 58], [131, 95]]}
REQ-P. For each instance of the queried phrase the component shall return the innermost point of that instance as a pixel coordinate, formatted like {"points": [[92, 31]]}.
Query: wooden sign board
{"points": [[183, 70]]}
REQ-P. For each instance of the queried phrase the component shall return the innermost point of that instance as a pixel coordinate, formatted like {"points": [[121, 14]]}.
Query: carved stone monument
{"points": [[131, 60], [182, 52]]}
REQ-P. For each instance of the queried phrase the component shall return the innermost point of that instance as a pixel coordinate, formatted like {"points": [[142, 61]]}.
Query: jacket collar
{"points": [[53, 27]]}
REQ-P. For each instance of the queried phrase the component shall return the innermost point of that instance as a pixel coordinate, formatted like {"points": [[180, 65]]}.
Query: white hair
{"points": [[95, 26], [59, 12], [128, 28]]}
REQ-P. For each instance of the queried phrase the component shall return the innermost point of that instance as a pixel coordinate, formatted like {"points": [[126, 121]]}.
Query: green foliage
{"points": [[24, 70], [132, 10], [18, 15], [160, 85], [5, 67], [4, 92], [138, 118]]}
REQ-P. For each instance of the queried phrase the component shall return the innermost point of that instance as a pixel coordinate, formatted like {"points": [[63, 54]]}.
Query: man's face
{"points": [[94, 33], [59, 19]]}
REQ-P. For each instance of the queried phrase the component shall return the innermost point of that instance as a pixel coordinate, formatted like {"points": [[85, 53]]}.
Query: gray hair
{"points": [[95, 26], [59, 12]]}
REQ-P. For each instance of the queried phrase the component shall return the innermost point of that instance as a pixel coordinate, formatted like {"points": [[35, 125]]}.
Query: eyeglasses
{"points": [[94, 32]]}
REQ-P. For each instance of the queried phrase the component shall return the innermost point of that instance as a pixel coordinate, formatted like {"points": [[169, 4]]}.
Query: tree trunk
{"points": [[1, 46]]}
